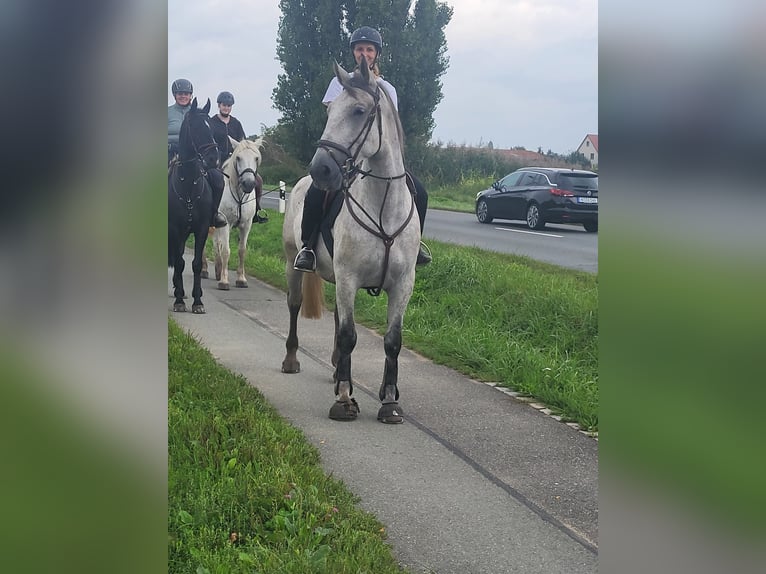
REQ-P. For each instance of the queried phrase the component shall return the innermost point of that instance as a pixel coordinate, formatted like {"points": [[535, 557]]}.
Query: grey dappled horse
{"points": [[376, 234], [238, 205]]}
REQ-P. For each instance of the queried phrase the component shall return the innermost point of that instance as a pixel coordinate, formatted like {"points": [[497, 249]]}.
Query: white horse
{"points": [[376, 234], [238, 205]]}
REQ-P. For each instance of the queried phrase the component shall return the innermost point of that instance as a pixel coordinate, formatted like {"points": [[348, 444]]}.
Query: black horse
{"points": [[190, 200]]}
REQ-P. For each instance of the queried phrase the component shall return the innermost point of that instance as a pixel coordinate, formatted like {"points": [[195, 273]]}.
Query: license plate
{"points": [[587, 200]]}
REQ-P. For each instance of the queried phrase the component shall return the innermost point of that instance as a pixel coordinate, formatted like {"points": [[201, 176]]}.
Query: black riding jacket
{"points": [[222, 132]]}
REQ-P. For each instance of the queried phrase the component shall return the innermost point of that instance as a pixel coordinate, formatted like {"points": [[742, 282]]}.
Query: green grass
{"points": [[236, 466], [494, 317]]}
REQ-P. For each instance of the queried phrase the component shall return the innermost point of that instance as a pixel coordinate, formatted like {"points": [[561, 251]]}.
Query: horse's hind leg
{"points": [[290, 364], [199, 254]]}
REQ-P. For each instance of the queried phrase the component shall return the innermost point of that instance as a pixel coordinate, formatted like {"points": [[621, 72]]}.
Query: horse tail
{"points": [[313, 296]]}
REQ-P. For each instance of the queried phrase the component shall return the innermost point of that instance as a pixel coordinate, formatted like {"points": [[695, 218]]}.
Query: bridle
{"points": [[243, 198], [349, 171], [198, 158]]}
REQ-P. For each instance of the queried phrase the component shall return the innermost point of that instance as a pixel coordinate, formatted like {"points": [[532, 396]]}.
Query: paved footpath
{"points": [[474, 481]]}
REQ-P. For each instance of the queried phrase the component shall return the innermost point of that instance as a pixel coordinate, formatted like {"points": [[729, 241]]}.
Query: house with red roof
{"points": [[589, 148]]}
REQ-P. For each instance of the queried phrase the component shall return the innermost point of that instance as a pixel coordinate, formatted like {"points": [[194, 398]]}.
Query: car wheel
{"points": [[534, 219], [590, 226], [482, 212]]}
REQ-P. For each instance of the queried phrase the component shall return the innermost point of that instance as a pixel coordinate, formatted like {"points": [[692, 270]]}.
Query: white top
{"points": [[334, 90]]}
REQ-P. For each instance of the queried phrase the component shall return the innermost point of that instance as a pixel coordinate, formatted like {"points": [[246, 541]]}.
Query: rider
{"points": [[366, 45], [182, 93], [224, 126]]}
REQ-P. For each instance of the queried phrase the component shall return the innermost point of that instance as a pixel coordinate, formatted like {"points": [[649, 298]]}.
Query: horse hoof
{"points": [[223, 286], [344, 411], [291, 367], [198, 309], [179, 308], [203, 274], [240, 283], [390, 414]]}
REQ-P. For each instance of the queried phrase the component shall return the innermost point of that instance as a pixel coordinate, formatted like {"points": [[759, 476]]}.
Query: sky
{"points": [[521, 73]]}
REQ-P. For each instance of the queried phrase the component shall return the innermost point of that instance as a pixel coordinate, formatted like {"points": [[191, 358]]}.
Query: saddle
{"points": [[332, 205]]}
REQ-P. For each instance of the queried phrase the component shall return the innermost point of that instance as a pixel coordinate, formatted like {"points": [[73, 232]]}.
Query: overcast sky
{"points": [[521, 73]]}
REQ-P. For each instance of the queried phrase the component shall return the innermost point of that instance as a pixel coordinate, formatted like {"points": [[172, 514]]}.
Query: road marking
{"points": [[529, 232]]}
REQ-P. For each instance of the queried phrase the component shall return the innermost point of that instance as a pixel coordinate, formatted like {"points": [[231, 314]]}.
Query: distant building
{"points": [[589, 148]]}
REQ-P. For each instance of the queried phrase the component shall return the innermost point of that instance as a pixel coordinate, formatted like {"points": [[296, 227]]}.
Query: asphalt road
{"points": [[475, 481], [568, 246]]}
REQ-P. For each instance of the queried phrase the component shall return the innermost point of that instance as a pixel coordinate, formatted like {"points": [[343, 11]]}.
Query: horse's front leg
{"points": [[392, 342], [244, 233], [199, 253], [222, 250], [179, 305], [345, 407]]}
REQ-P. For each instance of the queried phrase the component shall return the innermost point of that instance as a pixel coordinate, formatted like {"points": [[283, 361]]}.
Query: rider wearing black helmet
{"points": [[366, 45], [182, 94], [226, 126]]}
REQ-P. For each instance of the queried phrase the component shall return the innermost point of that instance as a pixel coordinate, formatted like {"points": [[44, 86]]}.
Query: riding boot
{"points": [[215, 178], [310, 222], [260, 214], [421, 203]]}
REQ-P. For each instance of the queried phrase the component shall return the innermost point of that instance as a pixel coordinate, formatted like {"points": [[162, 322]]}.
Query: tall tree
{"points": [[310, 37], [313, 33]]}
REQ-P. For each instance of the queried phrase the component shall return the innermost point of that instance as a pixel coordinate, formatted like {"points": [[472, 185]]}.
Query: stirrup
{"points": [[424, 255], [305, 261]]}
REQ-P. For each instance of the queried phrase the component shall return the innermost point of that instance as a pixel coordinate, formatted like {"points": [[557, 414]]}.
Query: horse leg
{"points": [[345, 407], [217, 254], [222, 257], [335, 350], [244, 232], [392, 342], [179, 306], [199, 254], [290, 364]]}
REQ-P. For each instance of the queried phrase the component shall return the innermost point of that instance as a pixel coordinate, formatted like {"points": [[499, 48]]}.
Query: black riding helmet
{"points": [[226, 98], [367, 34], [182, 85]]}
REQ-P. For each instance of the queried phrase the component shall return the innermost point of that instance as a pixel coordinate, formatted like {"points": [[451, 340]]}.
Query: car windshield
{"points": [[578, 181]]}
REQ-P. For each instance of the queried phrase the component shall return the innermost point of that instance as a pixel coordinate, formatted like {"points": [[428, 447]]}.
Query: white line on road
{"points": [[530, 232]]}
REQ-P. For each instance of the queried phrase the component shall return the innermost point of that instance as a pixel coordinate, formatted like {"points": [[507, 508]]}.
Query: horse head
{"points": [[244, 162], [348, 137], [196, 137]]}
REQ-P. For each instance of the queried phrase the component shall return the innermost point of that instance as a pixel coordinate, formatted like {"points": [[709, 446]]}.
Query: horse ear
{"points": [[365, 71], [342, 75], [206, 107], [234, 143], [194, 104]]}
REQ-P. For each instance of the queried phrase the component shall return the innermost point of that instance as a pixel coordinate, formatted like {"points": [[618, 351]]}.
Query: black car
{"points": [[540, 195]]}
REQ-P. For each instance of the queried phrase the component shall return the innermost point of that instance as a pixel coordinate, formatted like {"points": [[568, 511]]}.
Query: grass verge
{"points": [[494, 317], [236, 466]]}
